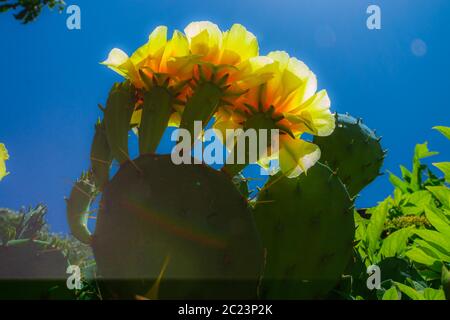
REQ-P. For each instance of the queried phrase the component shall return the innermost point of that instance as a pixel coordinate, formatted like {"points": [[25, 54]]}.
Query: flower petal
{"points": [[153, 49], [3, 157], [293, 82], [175, 120], [314, 116], [254, 72], [238, 45], [205, 39], [297, 156], [177, 60], [115, 60]]}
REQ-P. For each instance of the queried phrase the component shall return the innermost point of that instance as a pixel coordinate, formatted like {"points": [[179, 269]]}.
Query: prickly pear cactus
{"points": [[78, 206], [353, 151], [307, 227], [191, 217]]}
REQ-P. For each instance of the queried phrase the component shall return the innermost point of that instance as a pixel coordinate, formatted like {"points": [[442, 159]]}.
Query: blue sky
{"points": [[51, 79]]}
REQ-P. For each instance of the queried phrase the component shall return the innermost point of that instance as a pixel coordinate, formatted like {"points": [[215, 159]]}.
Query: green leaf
{"points": [[420, 198], [438, 220], [398, 196], [444, 130], [410, 292], [445, 280], [391, 294], [445, 168], [442, 193], [433, 294], [436, 238], [406, 174], [422, 152], [395, 244], [418, 255], [398, 183], [361, 229], [416, 202], [376, 225], [432, 251]]}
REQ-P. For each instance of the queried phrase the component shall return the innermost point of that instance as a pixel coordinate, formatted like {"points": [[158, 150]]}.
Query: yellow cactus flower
{"points": [[232, 54], [290, 103], [159, 71], [3, 157], [230, 47], [228, 65], [157, 56]]}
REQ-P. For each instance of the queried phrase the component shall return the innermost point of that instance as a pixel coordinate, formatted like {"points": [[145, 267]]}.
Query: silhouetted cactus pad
{"points": [[306, 225], [153, 209]]}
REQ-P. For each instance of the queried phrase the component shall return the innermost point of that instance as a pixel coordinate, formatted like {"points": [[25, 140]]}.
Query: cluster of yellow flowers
{"points": [[278, 87], [3, 157]]}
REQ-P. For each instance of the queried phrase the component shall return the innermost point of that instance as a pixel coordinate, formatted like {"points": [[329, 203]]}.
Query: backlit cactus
{"points": [[353, 151], [186, 231], [192, 215], [306, 225], [78, 206]]}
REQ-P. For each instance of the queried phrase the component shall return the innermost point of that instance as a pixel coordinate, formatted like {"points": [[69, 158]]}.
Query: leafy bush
{"points": [[407, 235]]}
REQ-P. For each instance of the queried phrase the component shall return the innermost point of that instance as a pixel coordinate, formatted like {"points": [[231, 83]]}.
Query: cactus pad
{"points": [[307, 227], [353, 151], [189, 215]]}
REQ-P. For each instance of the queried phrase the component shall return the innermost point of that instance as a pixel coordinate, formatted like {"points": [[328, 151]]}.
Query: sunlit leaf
{"points": [[391, 294], [395, 243], [416, 202], [422, 152], [410, 292], [438, 220], [418, 255], [433, 294], [436, 238], [406, 174], [445, 168], [432, 251], [376, 224], [398, 183], [442, 193], [444, 130]]}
